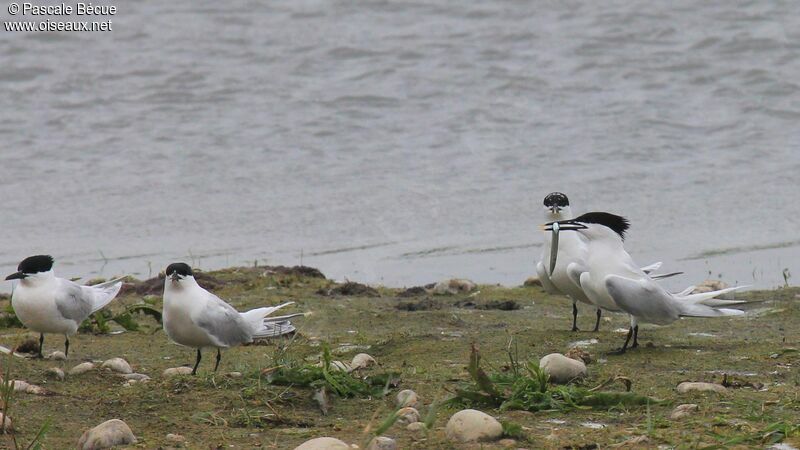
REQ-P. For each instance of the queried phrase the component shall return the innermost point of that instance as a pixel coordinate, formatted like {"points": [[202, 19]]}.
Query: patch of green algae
{"points": [[430, 349]]}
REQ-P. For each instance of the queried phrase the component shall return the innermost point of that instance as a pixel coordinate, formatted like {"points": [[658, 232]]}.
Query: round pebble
{"points": [[407, 397], [561, 369], [362, 361], [107, 435], [407, 415], [382, 443], [323, 443], [57, 356], [688, 386], [118, 365], [81, 368], [55, 373], [176, 371], [471, 425]]}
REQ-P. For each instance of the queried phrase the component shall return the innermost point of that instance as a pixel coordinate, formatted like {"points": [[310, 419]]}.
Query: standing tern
{"points": [[612, 280], [47, 304], [561, 253], [194, 317]]}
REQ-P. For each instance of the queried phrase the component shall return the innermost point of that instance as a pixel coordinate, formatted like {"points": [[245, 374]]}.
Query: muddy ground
{"points": [[426, 338]]}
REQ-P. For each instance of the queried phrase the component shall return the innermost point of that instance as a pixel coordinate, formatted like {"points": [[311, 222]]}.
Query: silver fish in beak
{"points": [[554, 247]]}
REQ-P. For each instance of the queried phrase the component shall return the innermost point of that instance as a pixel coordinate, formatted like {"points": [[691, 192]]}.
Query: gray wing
{"points": [[223, 323], [642, 299], [71, 302]]}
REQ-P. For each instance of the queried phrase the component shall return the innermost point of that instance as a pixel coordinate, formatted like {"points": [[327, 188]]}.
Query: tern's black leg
{"points": [[41, 345], [219, 356], [197, 363], [635, 337], [66, 346], [597, 324], [574, 317], [625, 346]]}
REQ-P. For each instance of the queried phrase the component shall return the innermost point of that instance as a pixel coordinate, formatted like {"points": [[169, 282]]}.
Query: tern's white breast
{"points": [[35, 307], [178, 324]]}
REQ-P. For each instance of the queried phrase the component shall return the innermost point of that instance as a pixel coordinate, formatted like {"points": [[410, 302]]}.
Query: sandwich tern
{"points": [[47, 304], [563, 251], [612, 280], [194, 317]]}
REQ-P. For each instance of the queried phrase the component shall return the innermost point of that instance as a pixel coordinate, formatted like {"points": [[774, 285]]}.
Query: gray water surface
{"points": [[401, 142]]}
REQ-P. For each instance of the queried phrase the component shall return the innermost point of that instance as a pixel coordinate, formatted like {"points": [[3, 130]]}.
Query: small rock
{"points": [[507, 443], [57, 356], [407, 397], [81, 368], [684, 410], [688, 386], [234, 374], [7, 424], [323, 443], [176, 371], [107, 435], [176, 438], [382, 443], [416, 427], [454, 286], [136, 377], [470, 425], [361, 361], [713, 285], [407, 415], [55, 372], [532, 281], [118, 365], [561, 369]]}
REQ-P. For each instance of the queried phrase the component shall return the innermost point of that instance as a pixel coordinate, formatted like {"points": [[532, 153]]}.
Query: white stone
{"points": [[57, 356], [55, 372], [176, 371], [407, 415], [81, 368], [453, 286], [24, 386], [561, 369], [507, 443], [407, 397], [177, 438], [688, 386], [107, 435], [362, 361], [234, 374], [471, 425], [136, 377], [416, 427], [118, 365], [382, 443], [323, 443], [684, 410]]}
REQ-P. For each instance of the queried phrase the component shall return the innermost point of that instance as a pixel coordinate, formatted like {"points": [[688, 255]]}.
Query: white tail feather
{"points": [[104, 293]]}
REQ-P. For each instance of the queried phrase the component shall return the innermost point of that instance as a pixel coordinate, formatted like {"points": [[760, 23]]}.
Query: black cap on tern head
{"points": [[180, 268], [556, 199], [617, 223], [35, 264], [31, 265]]}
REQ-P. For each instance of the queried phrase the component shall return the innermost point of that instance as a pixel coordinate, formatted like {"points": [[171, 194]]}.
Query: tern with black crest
{"points": [[612, 280], [47, 304], [196, 318], [564, 252]]}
